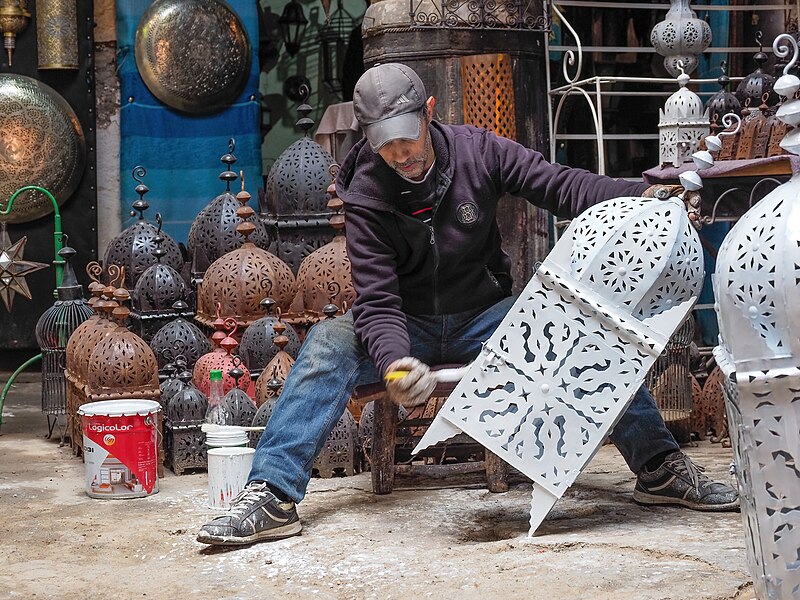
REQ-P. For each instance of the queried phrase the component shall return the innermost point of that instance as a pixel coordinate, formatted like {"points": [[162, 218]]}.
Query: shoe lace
{"points": [[683, 465], [252, 493]]}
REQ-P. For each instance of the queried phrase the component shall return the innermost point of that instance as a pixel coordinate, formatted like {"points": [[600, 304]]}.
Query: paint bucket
{"points": [[227, 436], [120, 448], [228, 469]]}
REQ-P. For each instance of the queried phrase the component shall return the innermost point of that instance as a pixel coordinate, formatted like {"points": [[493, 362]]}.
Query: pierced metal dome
{"points": [[160, 286], [222, 358], [723, 102], [239, 405], [258, 347], [179, 337], [296, 196], [134, 248], [188, 405], [270, 383], [324, 281], [240, 279], [758, 83], [213, 232], [122, 365]]}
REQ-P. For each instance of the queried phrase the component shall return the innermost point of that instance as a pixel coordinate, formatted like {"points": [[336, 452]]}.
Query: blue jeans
{"points": [[332, 362]]}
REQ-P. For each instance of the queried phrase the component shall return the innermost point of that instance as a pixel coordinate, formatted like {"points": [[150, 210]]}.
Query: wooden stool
{"points": [[384, 439]]}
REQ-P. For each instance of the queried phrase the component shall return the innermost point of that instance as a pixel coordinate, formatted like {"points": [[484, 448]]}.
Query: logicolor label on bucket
{"points": [[120, 454]]}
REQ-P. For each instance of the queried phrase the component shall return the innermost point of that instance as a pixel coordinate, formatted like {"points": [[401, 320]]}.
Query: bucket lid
{"points": [[119, 408], [226, 431]]}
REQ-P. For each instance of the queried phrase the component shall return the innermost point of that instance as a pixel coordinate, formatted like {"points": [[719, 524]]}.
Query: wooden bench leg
{"points": [[384, 432], [496, 472]]}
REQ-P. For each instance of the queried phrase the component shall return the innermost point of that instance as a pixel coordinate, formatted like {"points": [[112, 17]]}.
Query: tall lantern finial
{"points": [[681, 36]]}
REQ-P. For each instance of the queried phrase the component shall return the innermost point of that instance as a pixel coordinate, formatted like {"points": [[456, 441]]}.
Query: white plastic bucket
{"points": [[228, 469], [120, 448], [227, 436]]}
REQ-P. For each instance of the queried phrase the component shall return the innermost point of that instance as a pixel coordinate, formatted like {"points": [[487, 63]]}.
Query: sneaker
{"points": [[255, 515], [679, 481]]}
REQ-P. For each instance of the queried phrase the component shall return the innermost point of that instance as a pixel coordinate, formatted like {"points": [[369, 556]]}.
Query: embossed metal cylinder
{"points": [[57, 34]]}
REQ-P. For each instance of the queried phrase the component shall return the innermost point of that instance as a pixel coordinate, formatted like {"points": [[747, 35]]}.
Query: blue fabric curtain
{"points": [[181, 152]]}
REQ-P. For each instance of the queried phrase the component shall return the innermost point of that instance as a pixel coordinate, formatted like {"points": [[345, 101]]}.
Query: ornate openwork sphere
{"points": [[179, 337]]}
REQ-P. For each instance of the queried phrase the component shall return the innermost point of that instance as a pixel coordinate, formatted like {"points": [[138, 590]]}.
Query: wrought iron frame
{"points": [[481, 14]]}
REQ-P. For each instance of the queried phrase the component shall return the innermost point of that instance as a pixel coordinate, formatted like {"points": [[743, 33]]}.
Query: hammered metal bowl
{"points": [[41, 143], [193, 55]]}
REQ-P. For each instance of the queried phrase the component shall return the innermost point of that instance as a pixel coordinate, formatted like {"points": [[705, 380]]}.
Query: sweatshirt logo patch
{"points": [[467, 213]]}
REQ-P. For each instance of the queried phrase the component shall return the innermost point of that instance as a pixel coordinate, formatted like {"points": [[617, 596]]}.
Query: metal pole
{"points": [[58, 262]]}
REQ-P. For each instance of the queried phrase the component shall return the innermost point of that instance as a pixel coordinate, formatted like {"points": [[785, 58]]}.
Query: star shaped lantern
{"points": [[13, 269]]}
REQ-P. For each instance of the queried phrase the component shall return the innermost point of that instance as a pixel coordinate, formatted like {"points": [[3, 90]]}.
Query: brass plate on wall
{"points": [[193, 55], [41, 143]]}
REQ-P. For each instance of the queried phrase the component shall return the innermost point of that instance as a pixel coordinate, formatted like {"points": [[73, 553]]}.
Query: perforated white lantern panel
{"points": [[565, 362]]}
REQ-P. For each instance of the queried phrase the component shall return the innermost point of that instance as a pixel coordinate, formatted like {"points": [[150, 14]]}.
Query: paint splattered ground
{"points": [[426, 540]]}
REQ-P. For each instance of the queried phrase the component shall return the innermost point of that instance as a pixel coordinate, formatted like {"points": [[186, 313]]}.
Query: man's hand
{"points": [[691, 200], [409, 382]]}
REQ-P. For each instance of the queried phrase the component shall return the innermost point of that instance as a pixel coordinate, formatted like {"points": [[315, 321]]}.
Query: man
{"points": [[432, 284]]}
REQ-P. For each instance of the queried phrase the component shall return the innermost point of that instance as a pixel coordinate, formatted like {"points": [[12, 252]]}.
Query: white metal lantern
{"points": [[756, 287], [571, 353], [682, 124], [680, 38]]}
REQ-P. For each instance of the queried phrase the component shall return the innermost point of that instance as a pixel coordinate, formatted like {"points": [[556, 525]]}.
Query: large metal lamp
{"points": [[14, 18], [333, 37], [293, 24]]}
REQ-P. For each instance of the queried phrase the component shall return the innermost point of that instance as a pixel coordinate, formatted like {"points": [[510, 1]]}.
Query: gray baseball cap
{"points": [[387, 101]]}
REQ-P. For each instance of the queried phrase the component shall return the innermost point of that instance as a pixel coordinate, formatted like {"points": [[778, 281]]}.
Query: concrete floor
{"points": [[429, 539]]}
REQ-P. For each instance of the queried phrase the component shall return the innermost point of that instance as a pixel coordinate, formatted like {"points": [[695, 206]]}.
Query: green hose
{"points": [[11, 379]]}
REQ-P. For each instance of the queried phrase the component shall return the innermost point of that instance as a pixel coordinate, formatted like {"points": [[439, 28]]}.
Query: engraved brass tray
{"points": [[41, 143], [193, 55]]}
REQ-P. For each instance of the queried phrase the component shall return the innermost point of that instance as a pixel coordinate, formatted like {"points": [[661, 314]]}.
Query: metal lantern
{"points": [[79, 347], [680, 37], [338, 454], [296, 196], [221, 358], [238, 280], [170, 383], [270, 383], [682, 124], [239, 405], [213, 232], [57, 34], [155, 295], [752, 88], [293, 24], [42, 141], [324, 281], [723, 102], [134, 248], [755, 288], [184, 440], [257, 347], [14, 18], [180, 337], [565, 363], [670, 382], [53, 331]]}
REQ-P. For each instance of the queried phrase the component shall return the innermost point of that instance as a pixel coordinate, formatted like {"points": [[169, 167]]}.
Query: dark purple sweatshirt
{"points": [[401, 265]]}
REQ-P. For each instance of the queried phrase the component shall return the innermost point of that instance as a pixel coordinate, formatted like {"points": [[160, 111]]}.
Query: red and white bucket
{"points": [[120, 448]]}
